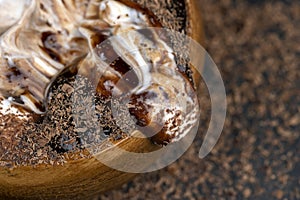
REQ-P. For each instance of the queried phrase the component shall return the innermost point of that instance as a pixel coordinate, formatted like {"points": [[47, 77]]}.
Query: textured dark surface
{"points": [[256, 45]]}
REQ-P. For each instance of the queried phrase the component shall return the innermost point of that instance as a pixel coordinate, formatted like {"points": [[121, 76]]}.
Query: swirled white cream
{"points": [[11, 11], [52, 35]]}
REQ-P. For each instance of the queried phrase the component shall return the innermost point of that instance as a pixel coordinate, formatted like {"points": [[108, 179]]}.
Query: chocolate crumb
{"points": [[68, 126]]}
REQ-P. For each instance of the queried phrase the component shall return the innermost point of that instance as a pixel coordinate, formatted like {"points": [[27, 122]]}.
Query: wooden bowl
{"points": [[82, 178]]}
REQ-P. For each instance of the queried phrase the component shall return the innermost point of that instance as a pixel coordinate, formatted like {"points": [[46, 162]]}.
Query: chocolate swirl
{"points": [[54, 36]]}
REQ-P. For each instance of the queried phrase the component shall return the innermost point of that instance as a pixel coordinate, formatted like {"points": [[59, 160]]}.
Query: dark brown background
{"points": [[256, 45]]}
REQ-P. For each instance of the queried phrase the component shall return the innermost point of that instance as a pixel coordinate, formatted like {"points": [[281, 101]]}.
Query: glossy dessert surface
{"points": [[52, 39]]}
